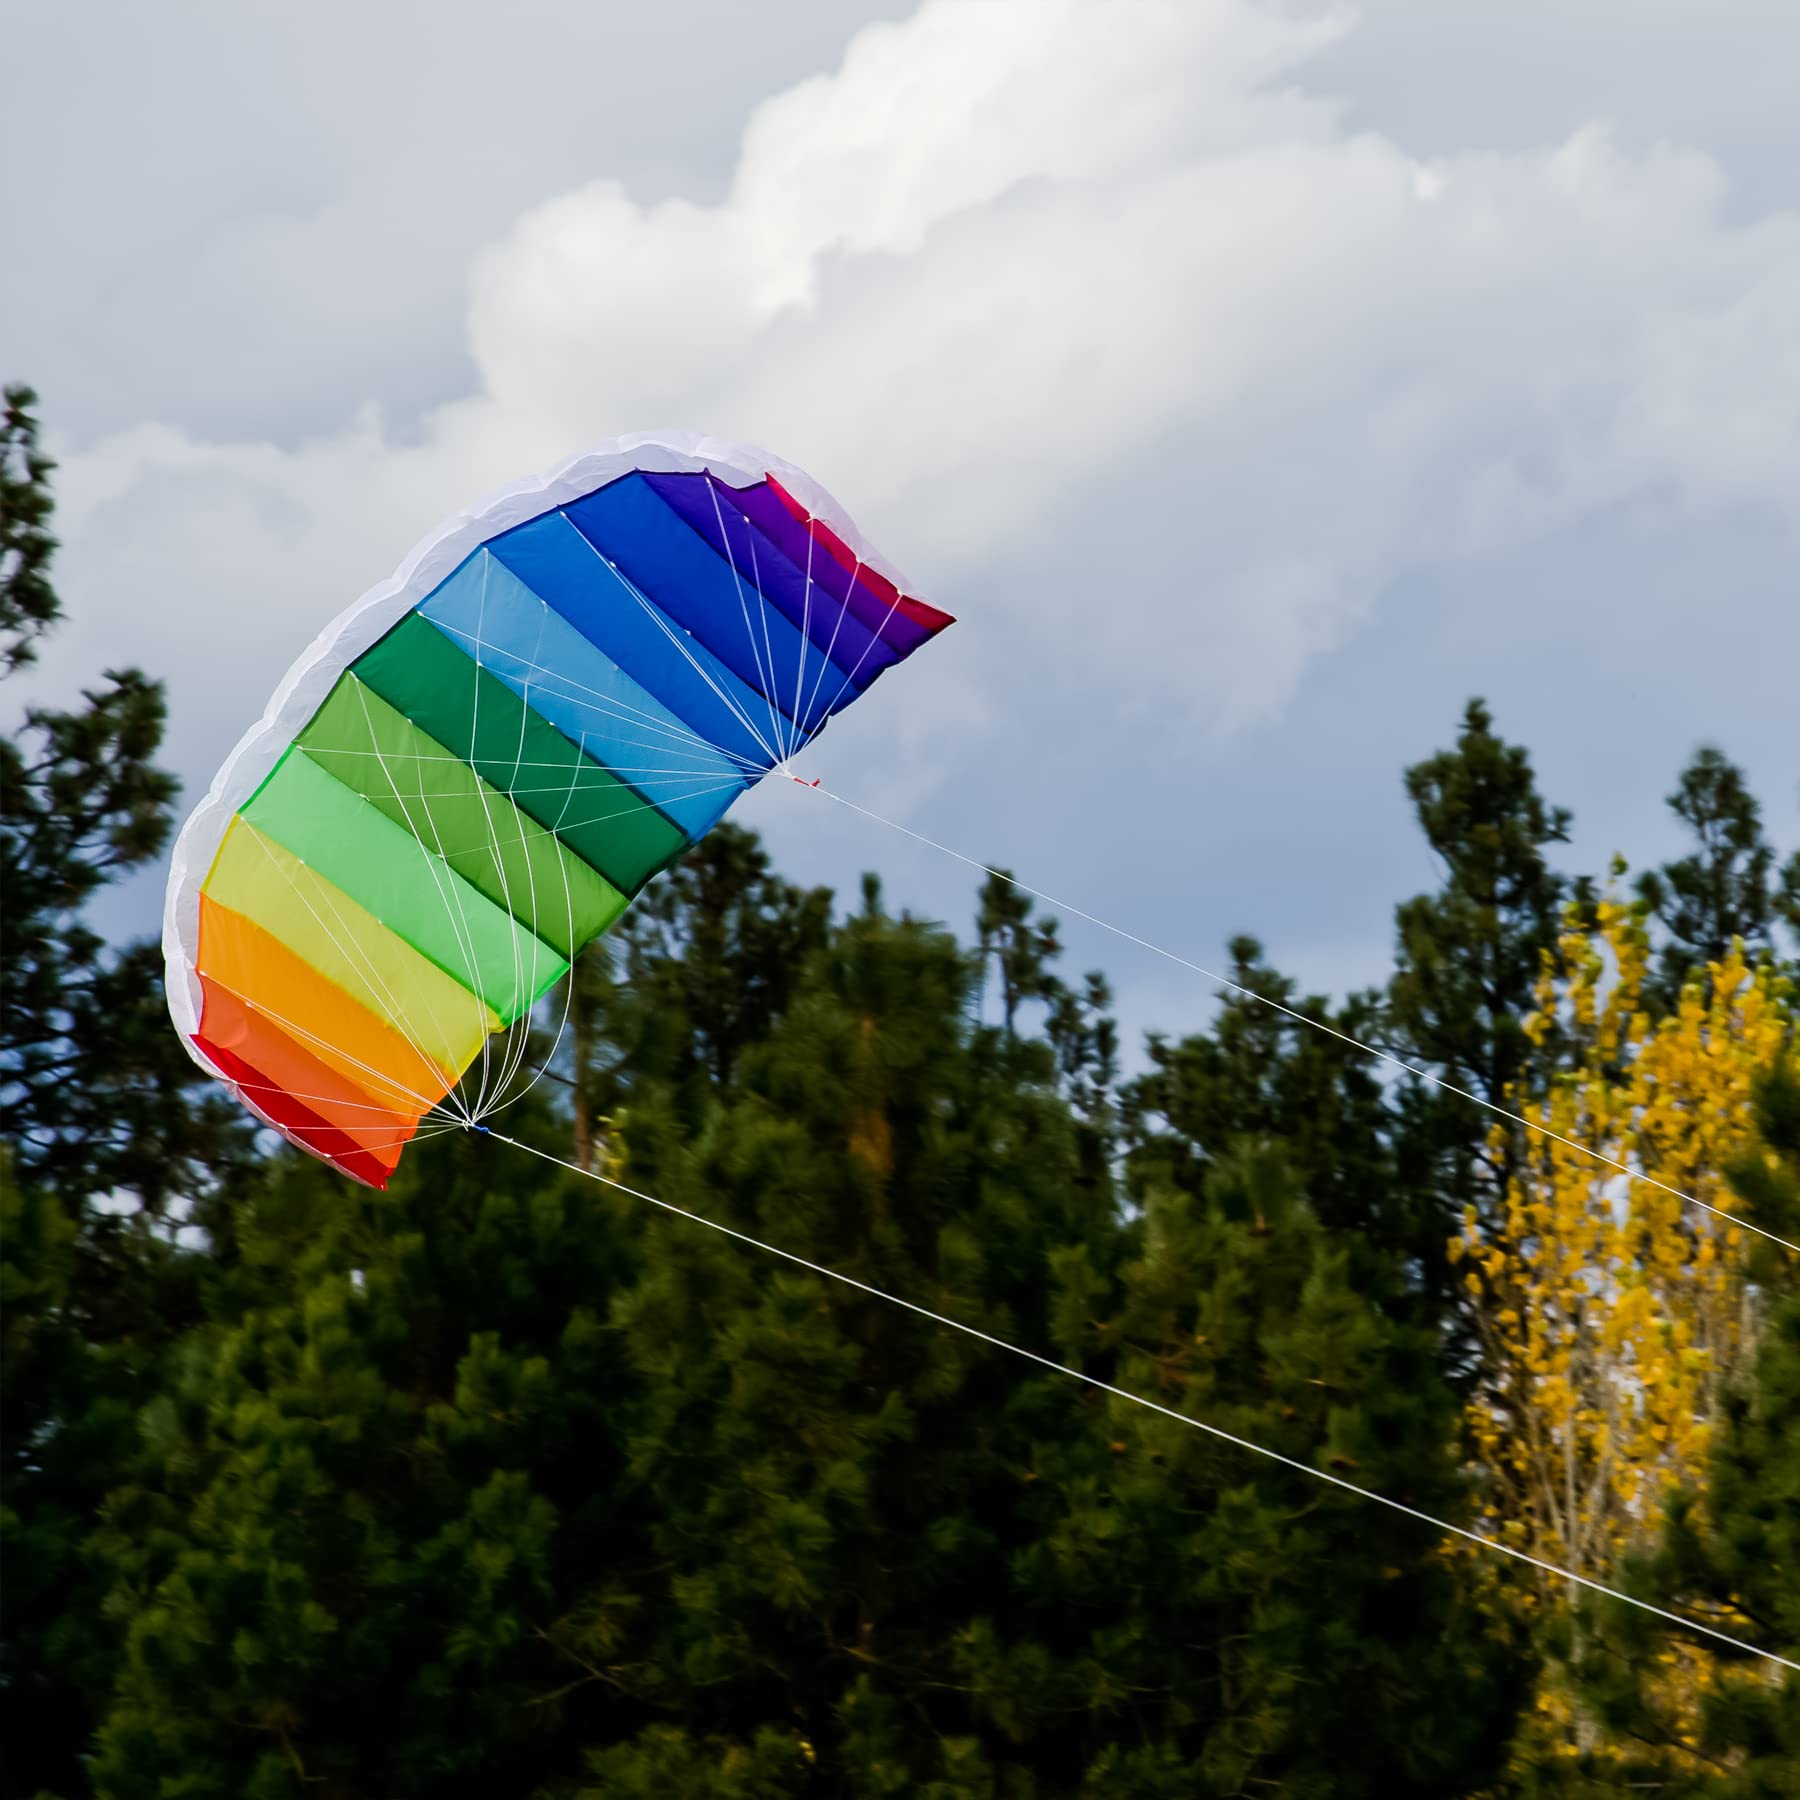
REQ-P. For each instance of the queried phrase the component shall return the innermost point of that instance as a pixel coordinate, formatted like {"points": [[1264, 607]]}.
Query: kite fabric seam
{"points": [[1343, 1037], [1107, 1387]]}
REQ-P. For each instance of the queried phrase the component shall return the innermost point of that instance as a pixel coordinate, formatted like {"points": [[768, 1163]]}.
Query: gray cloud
{"points": [[253, 220], [1514, 74]]}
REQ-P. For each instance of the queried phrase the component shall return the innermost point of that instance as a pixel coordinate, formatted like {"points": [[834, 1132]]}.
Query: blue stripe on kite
{"points": [[525, 642], [560, 566], [710, 507], [629, 522]]}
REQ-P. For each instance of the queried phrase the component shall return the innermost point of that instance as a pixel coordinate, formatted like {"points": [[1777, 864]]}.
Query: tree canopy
{"points": [[501, 1482]]}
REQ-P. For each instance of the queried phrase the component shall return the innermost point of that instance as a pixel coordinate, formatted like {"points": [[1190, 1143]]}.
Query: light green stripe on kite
{"points": [[492, 843], [385, 869]]}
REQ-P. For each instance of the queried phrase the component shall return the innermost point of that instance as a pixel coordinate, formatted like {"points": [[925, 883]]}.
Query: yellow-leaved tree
{"points": [[1612, 1312]]}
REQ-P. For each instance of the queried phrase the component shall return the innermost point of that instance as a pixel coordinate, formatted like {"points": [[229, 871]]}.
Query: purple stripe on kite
{"points": [[766, 511], [705, 503]]}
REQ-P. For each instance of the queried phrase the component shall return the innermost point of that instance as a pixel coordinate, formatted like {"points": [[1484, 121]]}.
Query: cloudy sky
{"points": [[1255, 382]]}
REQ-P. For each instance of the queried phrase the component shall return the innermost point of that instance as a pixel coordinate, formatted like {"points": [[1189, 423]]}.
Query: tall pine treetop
{"points": [[28, 603], [1723, 889]]}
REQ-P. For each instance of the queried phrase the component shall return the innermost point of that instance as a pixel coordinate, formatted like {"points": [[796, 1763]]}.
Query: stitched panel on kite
{"points": [[297, 1119], [385, 869], [708, 507], [559, 565], [285, 1063], [259, 880], [480, 832], [418, 670], [522, 640], [630, 523], [262, 971]]}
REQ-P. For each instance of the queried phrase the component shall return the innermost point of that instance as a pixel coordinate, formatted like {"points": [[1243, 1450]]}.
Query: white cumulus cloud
{"points": [[1105, 323]]}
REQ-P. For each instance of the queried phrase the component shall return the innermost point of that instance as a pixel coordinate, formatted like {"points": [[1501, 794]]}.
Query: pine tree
{"points": [[1021, 949], [1084, 1037], [1260, 1632], [825, 1471], [701, 966], [28, 603], [66, 1435], [497, 1482], [107, 1137], [1466, 965], [1722, 891], [1261, 1073], [376, 1469], [96, 1092], [888, 1560]]}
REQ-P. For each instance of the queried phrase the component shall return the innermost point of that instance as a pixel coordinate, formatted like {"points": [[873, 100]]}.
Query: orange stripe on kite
{"points": [[286, 1065], [334, 1026]]}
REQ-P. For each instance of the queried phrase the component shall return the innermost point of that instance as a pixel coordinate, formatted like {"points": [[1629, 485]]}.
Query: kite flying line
{"points": [[1106, 1387], [1343, 1037]]}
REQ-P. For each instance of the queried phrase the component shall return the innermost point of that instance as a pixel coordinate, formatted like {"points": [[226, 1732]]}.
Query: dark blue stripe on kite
{"points": [[559, 565], [561, 676], [709, 507], [629, 522]]}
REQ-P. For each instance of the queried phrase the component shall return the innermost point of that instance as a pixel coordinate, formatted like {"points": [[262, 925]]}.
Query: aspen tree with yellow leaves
{"points": [[1717, 1726], [1613, 1315]]}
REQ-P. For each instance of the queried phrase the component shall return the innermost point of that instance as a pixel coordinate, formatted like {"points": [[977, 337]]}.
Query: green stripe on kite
{"points": [[488, 840], [420, 672]]}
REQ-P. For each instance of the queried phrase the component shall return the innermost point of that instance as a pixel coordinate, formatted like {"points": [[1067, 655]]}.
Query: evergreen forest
{"points": [[502, 1482]]}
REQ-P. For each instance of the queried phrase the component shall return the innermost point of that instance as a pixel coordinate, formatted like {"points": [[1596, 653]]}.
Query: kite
{"points": [[473, 771]]}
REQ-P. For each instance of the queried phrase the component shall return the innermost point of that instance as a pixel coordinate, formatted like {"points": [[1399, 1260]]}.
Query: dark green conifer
{"points": [[1723, 889]]}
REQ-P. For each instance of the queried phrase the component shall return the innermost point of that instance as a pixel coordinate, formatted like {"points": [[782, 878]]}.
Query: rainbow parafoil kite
{"points": [[471, 773]]}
